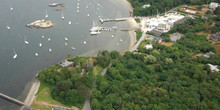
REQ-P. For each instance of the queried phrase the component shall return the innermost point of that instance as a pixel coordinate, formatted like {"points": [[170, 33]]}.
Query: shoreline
{"points": [[36, 83]]}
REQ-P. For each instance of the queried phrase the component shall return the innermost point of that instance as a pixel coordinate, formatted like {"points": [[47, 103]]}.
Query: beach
{"points": [[132, 24]]}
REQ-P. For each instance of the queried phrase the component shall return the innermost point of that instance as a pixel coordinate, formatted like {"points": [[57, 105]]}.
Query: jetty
{"points": [[114, 20], [12, 99]]}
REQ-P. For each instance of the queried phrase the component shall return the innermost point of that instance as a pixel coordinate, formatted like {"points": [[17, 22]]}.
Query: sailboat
{"points": [[70, 22], [95, 29], [66, 44], [8, 28], [36, 54], [121, 40], [112, 36], [48, 39], [15, 55], [84, 42], [25, 41], [11, 9], [78, 11], [50, 50], [46, 14], [66, 39], [73, 48], [42, 37], [62, 16], [40, 44], [88, 14]]}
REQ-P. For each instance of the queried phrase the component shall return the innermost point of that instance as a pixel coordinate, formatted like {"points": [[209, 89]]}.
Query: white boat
{"points": [[8, 28], [42, 37], [11, 9], [62, 16], [77, 11], [95, 29], [121, 40], [36, 54], [98, 4], [88, 14], [15, 55], [66, 39], [78, 4], [87, 6], [84, 42], [40, 44], [66, 44], [48, 39], [46, 16], [50, 50], [25, 41], [73, 48], [112, 36], [78, 7], [70, 22]]}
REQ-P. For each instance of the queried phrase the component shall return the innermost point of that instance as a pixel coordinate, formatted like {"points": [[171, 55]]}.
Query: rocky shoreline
{"points": [[41, 24]]}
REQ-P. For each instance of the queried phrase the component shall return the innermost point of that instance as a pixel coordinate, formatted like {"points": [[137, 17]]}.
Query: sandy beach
{"points": [[31, 94]]}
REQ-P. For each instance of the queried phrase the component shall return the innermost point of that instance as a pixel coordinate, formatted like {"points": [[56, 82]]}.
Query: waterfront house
{"points": [[66, 63]]}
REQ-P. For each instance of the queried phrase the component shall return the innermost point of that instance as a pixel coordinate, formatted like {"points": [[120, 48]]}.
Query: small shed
{"points": [[66, 63], [207, 55], [148, 46], [214, 68], [213, 5]]}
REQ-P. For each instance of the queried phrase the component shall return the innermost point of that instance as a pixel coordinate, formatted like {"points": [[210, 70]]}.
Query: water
{"points": [[15, 74]]}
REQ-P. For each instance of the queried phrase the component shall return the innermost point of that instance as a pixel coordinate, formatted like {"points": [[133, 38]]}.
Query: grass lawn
{"points": [[138, 35], [99, 69], [137, 20], [44, 100]]}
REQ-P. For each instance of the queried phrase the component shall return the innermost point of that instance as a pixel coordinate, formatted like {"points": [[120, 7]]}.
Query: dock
{"points": [[114, 20], [12, 99]]}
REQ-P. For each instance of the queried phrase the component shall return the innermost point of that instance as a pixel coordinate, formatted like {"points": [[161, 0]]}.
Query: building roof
{"points": [[148, 46], [207, 55], [214, 67], [66, 63], [156, 32], [215, 37], [175, 37]]}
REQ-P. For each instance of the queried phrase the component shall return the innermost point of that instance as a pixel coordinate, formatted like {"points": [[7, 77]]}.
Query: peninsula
{"points": [[41, 24]]}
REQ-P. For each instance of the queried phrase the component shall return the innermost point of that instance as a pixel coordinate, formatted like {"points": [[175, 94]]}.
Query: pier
{"points": [[115, 20], [12, 99]]}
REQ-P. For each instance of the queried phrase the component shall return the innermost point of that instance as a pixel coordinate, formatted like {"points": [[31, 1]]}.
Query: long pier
{"points": [[12, 99], [111, 20]]}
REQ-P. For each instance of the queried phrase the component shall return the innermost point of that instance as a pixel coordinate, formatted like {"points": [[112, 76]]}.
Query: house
{"points": [[148, 46], [207, 55], [66, 63], [145, 6], [214, 68], [157, 40], [180, 21], [215, 37], [156, 32], [175, 37], [213, 5]]}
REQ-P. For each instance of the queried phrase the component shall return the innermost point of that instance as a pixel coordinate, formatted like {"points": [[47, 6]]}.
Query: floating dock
{"points": [[113, 20]]}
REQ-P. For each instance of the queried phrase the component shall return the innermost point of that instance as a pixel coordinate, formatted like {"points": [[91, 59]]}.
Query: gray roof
{"points": [[156, 32], [180, 21], [66, 63]]}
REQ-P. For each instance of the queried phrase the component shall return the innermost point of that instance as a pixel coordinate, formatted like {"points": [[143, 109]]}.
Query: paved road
{"points": [[139, 42]]}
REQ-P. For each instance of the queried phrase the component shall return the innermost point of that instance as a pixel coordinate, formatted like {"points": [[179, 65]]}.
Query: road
{"points": [[139, 42]]}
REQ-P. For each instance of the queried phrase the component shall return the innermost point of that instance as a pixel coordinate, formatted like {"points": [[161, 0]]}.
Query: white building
{"points": [[213, 5], [145, 6], [148, 46], [162, 23]]}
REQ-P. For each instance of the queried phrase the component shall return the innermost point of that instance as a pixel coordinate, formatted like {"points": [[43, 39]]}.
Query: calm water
{"points": [[16, 74]]}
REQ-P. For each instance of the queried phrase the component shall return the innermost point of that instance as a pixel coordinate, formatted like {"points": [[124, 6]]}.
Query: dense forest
{"points": [[69, 87], [161, 5], [164, 78]]}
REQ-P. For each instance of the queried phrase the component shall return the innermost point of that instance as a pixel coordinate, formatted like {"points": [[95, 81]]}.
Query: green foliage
{"points": [[137, 20], [104, 58], [138, 35], [162, 5]]}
